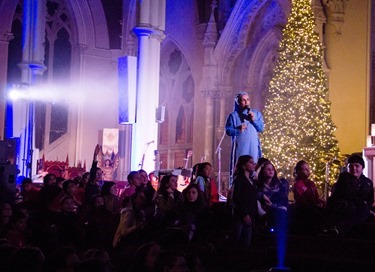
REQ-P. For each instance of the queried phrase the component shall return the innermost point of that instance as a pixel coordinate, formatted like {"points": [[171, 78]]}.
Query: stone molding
{"points": [[7, 37], [149, 31], [337, 9]]}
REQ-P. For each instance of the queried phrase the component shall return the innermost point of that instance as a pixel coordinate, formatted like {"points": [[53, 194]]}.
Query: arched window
{"points": [[176, 93], [51, 119]]}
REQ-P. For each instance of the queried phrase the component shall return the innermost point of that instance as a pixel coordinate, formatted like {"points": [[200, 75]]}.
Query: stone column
{"points": [[150, 32], [208, 86], [32, 69], [4, 44]]}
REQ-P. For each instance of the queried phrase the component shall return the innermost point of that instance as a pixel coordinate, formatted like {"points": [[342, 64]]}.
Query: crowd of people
{"points": [[88, 223]]}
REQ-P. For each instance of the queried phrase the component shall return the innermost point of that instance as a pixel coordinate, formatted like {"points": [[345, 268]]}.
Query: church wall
{"points": [[100, 107], [183, 29], [6, 13], [347, 58]]}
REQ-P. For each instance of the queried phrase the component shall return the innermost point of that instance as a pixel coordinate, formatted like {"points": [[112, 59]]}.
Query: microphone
{"points": [[150, 142], [248, 109]]}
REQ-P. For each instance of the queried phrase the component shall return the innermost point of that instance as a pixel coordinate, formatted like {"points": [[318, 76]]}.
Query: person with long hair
{"points": [[149, 192], [206, 183], [193, 212], [166, 200], [273, 195], [244, 201], [111, 200], [132, 220]]}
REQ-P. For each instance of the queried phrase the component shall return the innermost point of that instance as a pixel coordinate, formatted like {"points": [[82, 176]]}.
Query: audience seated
{"points": [[132, 220], [111, 200], [167, 198], [244, 199], [351, 201], [206, 183], [69, 188], [193, 214], [308, 213], [114, 239], [149, 192], [29, 193], [134, 182], [82, 182], [95, 182], [273, 196], [49, 191]]}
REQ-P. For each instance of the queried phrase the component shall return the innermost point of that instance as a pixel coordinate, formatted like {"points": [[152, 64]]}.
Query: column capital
{"points": [[150, 32], [82, 48], [214, 93], [37, 68], [337, 8]]}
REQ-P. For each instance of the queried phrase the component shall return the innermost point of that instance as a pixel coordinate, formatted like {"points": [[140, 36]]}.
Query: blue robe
{"points": [[246, 142]]}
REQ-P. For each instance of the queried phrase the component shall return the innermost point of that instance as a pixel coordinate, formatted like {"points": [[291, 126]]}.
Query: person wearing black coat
{"points": [[244, 199], [351, 200]]}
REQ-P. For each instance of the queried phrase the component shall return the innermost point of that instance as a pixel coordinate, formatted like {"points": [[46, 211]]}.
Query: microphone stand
{"points": [[140, 165], [218, 152]]}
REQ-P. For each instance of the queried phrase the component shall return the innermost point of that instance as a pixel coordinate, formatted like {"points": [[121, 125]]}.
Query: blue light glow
{"points": [[127, 78], [9, 121]]}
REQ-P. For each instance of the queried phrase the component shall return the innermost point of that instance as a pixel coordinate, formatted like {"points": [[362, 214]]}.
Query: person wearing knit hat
{"points": [[351, 199]]}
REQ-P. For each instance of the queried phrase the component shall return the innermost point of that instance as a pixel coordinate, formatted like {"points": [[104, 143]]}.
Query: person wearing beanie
{"points": [[351, 199]]}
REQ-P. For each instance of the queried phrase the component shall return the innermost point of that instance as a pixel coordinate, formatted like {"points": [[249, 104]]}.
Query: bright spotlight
{"points": [[14, 95], [44, 93]]}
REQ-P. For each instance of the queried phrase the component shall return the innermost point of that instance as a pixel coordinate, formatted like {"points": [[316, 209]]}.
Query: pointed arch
{"points": [[259, 71], [176, 93], [7, 10], [91, 23], [248, 23]]}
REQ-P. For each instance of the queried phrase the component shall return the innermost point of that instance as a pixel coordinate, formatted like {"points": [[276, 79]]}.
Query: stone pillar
{"points": [[32, 69], [150, 32], [4, 44], [208, 86]]}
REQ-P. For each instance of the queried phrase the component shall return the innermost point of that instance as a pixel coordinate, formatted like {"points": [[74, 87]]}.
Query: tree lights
{"points": [[297, 111]]}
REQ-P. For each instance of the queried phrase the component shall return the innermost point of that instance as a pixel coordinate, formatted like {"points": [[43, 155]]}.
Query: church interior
{"points": [[152, 82], [188, 59]]}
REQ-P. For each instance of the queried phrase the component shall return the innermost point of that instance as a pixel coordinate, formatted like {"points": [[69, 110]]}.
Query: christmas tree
{"points": [[297, 112]]}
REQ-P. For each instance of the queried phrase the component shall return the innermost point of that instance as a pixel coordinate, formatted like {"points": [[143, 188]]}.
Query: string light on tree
{"points": [[297, 111]]}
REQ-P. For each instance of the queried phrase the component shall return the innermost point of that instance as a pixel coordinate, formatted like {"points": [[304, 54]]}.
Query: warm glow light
{"points": [[297, 112]]}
